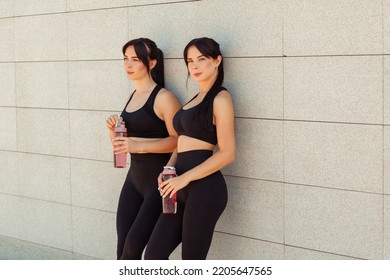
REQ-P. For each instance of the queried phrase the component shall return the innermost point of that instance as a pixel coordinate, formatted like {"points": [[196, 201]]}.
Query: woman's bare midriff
{"points": [[186, 143], [140, 139]]}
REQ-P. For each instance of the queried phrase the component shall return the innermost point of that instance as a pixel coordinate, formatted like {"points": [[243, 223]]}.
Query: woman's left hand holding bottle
{"points": [[124, 145]]}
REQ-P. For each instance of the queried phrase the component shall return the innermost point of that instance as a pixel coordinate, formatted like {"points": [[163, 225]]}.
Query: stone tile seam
{"points": [[283, 244], [99, 9]]}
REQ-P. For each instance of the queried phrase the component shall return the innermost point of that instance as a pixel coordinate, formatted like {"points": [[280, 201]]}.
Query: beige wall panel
{"points": [[341, 222], [8, 136], [90, 37], [294, 253], [386, 26], [386, 89], [147, 21], [98, 85], [43, 131], [8, 174], [7, 35], [6, 8], [340, 89], [94, 233], [76, 5], [332, 27], [40, 38], [386, 157], [259, 150], [334, 155], [44, 177], [89, 137], [96, 185], [244, 28], [255, 209], [46, 223], [7, 82], [10, 216], [31, 7], [217, 19], [14, 249], [230, 247], [386, 245], [36, 221], [154, 2], [260, 93], [42, 84]]}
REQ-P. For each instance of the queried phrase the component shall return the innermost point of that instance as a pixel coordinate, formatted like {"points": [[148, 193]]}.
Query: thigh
{"points": [[166, 236], [143, 225], [206, 201], [129, 204]]}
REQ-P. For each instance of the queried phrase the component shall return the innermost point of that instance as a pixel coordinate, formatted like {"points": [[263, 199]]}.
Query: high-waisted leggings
{"points": [[139, 204], [200, 204]]}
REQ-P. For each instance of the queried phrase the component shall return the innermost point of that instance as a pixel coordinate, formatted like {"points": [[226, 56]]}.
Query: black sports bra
{"points": [[186, 122], [144, 122]]}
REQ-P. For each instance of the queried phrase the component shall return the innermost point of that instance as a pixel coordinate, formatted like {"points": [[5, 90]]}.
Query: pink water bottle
{"points": [[169, 203], [120, 131]]}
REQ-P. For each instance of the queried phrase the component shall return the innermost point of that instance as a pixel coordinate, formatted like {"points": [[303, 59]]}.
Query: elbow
{"points": [[231, 157], [173, 143]]}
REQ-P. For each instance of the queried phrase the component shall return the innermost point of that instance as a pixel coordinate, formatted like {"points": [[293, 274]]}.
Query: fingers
{"points": [[167, 189], [120, 145], [111, 121]]}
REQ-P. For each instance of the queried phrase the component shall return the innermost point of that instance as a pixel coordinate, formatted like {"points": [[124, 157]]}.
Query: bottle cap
{"points": [[169, 167], [118, 122]]}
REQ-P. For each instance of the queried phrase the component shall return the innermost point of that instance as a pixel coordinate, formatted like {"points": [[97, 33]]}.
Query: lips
{"points": [[130, 73], [197, 74]]}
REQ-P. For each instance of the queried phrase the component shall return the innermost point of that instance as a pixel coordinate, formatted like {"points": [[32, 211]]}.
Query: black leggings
{"points": [[200, 204], [139, 204]]}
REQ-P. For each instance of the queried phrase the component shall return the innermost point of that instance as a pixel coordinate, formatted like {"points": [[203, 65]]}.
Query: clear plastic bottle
{"points": [[169, 203], [120, 131]]}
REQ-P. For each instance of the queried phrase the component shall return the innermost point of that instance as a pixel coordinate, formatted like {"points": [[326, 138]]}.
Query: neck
{"points": [[144, 85], [205, 86]]}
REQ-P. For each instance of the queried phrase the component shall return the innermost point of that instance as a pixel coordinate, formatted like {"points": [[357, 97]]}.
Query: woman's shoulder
{"points": [[164, 94], [165, 97], [222, 95]]}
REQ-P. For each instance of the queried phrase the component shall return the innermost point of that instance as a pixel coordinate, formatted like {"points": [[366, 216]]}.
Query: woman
{"points": [[151, 138], [207, 119]]}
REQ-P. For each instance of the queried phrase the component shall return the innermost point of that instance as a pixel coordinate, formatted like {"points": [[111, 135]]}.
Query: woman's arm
{"points": [[166, 106], [224, 121]]}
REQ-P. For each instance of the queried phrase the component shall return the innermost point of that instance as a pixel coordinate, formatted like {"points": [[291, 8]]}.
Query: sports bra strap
{"points": [[152, 97]]}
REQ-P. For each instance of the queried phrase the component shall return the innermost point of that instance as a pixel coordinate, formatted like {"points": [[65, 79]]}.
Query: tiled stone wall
{"points": [[310, 81]]}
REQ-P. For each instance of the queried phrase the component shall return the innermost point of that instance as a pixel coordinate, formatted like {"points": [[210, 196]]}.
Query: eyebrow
{"points": [[197, 56], [125, 56]]}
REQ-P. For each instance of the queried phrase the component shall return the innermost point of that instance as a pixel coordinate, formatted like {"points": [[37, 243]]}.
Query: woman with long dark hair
{"points": [[151, 138], [205, 121]]}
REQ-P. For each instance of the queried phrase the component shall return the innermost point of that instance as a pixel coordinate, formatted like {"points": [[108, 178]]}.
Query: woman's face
{"points": [[200, 67], [133, 66]]}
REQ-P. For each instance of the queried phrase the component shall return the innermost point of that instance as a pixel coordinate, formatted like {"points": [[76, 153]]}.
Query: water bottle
{"points": [[169, 203], [120, 131]]}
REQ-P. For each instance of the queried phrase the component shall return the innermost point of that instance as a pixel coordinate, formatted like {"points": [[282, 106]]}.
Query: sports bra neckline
{"points": [[182, 108], [147, 101]]}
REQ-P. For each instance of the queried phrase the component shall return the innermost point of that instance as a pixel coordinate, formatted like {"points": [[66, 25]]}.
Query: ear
{"points": [[152, 63], [218, 60]]}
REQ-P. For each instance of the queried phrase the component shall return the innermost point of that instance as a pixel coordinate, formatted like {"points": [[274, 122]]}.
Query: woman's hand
{"points": [[172, 185], [111, 122], [125, 145]]}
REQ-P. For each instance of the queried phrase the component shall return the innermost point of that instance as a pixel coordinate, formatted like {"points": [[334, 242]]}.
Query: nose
{"points": [[194, 65], [128, 63]]}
